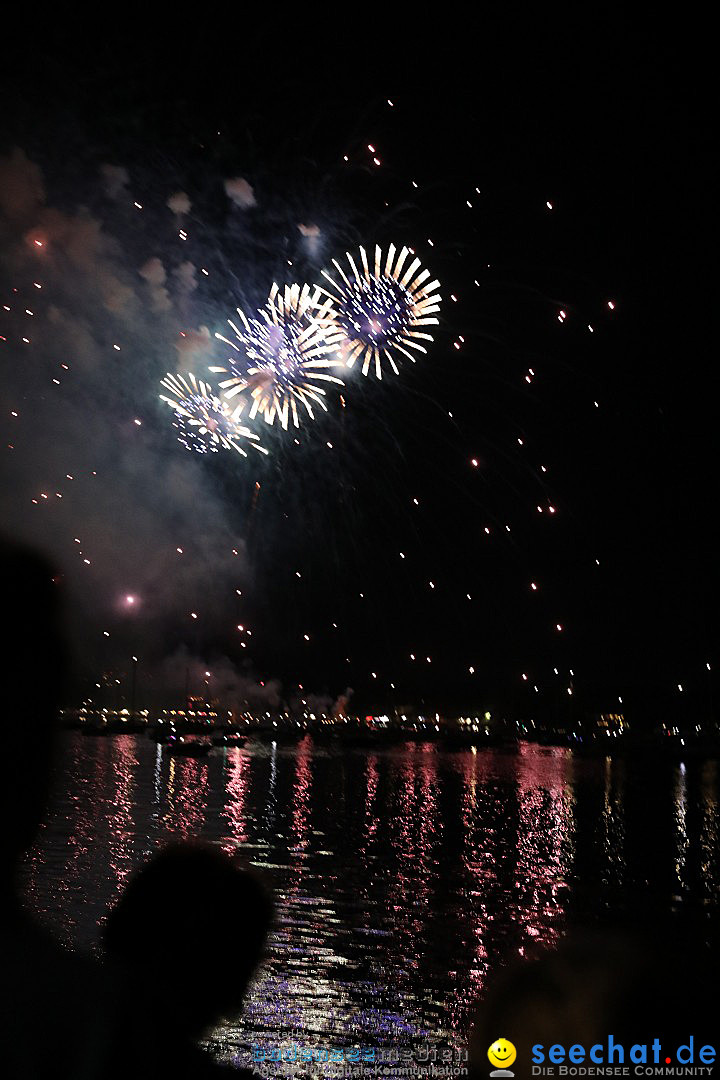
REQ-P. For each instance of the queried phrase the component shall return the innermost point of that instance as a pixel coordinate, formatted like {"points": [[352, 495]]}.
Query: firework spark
{"points": [[204, 421], [284, 355], [379, 311]]}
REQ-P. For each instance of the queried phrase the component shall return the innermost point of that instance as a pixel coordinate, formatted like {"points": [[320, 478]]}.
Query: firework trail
{"points": [[378, 312], [284, 355], [205, 422]]}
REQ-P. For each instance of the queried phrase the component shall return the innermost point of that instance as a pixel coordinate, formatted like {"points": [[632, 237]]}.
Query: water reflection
{"points": [[709, 844], [613, 826], [404, 877], [186, 796], [237, 790], [681, 836], [121, 827], [545, 843]]}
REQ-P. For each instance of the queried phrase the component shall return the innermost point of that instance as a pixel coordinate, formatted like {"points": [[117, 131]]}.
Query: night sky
{"points": [[476, 130]]}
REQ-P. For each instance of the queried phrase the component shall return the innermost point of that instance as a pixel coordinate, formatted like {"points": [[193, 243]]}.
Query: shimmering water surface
{"points": [[404, 876]]}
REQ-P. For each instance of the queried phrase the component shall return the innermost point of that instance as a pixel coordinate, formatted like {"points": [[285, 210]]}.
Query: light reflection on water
{"points": [[403, 876]]}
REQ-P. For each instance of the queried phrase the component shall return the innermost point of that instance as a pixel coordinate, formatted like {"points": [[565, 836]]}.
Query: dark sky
{"points": [[609, 126]]}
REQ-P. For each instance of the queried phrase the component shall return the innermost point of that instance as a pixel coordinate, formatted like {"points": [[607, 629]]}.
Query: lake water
{"points": [[404, 876]]}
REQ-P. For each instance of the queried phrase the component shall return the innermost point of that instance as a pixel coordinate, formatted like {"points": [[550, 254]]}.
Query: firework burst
{"points": [[380, 311], [283, 356], [205, 422]]}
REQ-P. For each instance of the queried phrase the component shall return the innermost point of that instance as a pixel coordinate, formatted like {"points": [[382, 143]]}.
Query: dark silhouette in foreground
{"points": [[636, 985], [184, 939], [54, 1001], [182, 944]]}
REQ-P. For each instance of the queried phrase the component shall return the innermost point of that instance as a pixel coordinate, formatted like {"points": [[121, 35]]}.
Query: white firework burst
{"points": [[204, 421], [382, 312], [284, 355]]}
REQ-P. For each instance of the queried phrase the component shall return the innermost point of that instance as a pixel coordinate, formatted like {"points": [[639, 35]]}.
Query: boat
{"points": [[231, 739], [180, 748]]}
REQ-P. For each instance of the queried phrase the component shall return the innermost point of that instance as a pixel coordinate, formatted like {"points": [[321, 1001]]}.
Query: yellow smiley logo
{"points": [[502, 1053]]}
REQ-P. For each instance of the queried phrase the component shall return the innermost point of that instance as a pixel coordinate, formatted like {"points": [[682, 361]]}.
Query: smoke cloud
{"points": [[115, 180], [240, 192], [179, 203], [93, 474]]}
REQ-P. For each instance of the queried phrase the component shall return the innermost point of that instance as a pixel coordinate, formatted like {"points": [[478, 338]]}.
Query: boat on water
{"points": [[325, 737], [179, 747], [231, 739], [281, 735]]}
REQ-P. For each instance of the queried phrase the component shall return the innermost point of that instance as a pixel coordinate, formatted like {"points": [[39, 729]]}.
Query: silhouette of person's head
{"points": [[635, 985], [189, 932], [65, 990], [32, 663]]}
